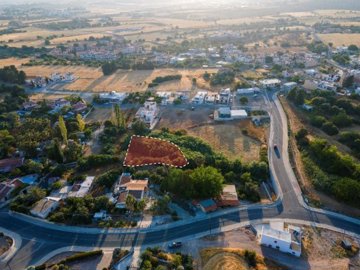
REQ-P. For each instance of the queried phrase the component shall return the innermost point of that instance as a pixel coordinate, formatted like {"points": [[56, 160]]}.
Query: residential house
{"points": [[29, 105], [228, 197], [225, 113], [289, 86], [7, 187], [285, 240], [45, 206], [207, 206], [8, 164], [79, 107], [102, 215], [199, 97], [149, 113], [137, 188], [79, 190], [211, 98], [113, 97], [270, 83], [248, 91], [224, 96], [62, 193]]}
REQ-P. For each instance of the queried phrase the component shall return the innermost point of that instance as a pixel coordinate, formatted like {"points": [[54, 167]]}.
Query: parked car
{"points": [[175, 245]]}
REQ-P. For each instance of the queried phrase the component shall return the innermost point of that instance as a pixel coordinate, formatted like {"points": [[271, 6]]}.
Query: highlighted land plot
{"points": [[145, 151]]}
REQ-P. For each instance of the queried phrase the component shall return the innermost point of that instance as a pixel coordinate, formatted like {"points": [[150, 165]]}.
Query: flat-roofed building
{"points": [[44, 207]]}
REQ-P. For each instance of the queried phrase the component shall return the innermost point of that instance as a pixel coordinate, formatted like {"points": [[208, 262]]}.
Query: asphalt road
{"points": [[37, 241]]}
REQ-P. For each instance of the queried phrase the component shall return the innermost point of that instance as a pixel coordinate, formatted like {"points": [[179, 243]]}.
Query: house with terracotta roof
{"points": [[228, 196], [8, 164], [126, 186]]}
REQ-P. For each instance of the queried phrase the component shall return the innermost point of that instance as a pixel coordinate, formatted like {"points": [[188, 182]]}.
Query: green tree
{"points": [[80, 122], [63, 129], [330, 129], [208, 182], [119, 120], [244, 100], [140, 127], [130, 202]]}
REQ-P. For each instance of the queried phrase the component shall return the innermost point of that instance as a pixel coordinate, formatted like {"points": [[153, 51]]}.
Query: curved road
{"points": [[38, 240]]}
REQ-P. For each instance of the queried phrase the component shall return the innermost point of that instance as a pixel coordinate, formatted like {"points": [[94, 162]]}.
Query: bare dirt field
{"points": [[93, 80]]}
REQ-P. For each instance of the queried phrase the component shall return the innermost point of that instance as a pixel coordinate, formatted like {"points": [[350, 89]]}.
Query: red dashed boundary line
{"points": [[156, 163]]}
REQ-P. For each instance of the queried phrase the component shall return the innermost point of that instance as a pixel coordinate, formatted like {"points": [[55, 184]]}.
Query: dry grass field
{"points": [[341, 39], [229, 139], [13, 61], [92, 79]]}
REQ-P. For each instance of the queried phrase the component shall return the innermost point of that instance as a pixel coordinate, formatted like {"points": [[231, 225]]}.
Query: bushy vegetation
{"points": [[95, 161], [14, 97], [155, 259], [155, 82], [24, 51], [78, 211], [10, 74], [330, 170], [222, 77], [246, 177], [24, 202]]}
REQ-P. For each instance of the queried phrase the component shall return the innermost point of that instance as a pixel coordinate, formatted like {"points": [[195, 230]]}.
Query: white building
{"points": [[248, 91], [79, 190], [113, 97], [289, 86], [224, 96], [270, 83], [44, 207], [58, 77], [199, 97], [238, 114], [149, 113], [326, 86], [225, 113], [285, 240]]}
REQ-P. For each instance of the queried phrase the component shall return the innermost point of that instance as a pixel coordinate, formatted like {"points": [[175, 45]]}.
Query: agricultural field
{"points": [[143, 151], [17, 62], [340, 39], [93, 80]]}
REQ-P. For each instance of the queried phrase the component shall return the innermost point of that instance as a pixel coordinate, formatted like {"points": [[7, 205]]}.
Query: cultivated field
{"points": [[93, 80], [341, 39], [13, 61]]}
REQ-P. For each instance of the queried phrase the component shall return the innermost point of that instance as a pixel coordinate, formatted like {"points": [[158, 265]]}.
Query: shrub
{"points": [[330, 129], [317, 121]]}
